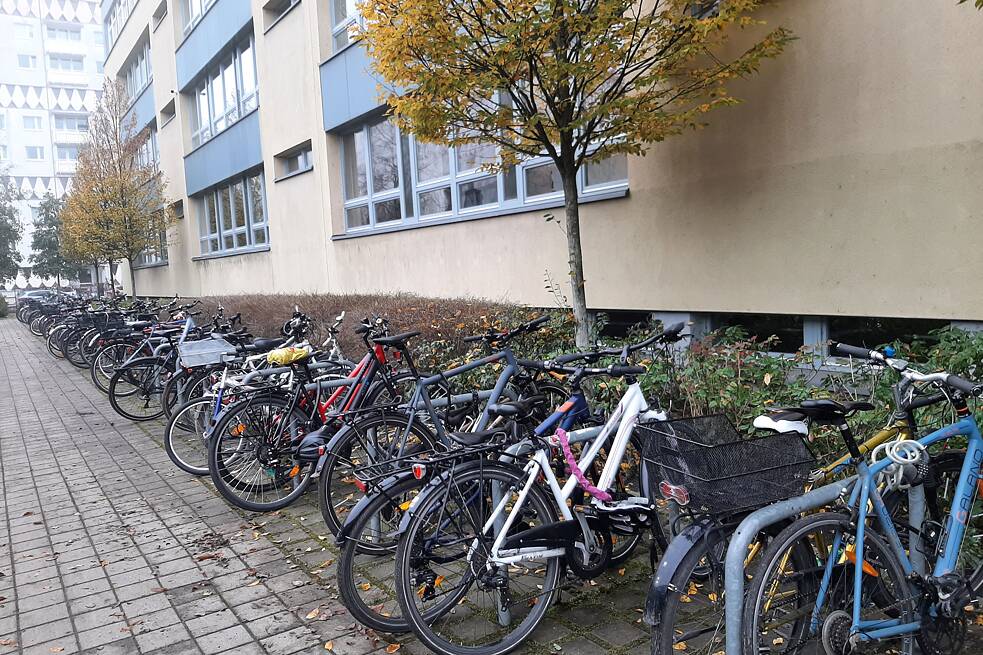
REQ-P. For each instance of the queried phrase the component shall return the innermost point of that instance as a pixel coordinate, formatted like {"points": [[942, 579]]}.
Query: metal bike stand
{"points": [[734, 574]]}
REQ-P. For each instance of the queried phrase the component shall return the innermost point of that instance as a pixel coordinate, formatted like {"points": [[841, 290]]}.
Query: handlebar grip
{"points": [[962, 384], [473, 339], [572, 357], [620, 371], [925, 401], [852, 351]]}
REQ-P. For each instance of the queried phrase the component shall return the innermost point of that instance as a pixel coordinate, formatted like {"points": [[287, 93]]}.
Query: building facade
{"points": [[51, 71], [842, 194]]}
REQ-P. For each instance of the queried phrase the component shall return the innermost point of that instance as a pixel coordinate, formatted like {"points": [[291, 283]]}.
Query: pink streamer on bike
{"points": [[600, 494]]}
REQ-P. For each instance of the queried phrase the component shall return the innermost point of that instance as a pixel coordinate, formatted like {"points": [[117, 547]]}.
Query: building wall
{"points": [[40, 30], [845, 184]]}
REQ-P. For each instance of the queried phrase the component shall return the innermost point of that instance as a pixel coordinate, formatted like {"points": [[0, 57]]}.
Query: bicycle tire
{"points": [[175, 432]]}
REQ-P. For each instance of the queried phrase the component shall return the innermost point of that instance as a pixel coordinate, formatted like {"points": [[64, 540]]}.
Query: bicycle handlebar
{"points": [[668, 335]]}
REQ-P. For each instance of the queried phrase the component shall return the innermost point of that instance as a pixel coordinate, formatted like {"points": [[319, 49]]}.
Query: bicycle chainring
{"points": [[943, 636], [589, 565]]}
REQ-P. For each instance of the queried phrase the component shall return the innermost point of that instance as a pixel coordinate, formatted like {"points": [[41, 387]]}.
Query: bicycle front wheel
{"points": [[135, 391], [801, 597], [186, 435], [457, 601]]}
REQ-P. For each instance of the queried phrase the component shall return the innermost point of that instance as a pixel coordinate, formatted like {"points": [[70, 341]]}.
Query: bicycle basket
{"points": [[721, 471], [204, 352]]}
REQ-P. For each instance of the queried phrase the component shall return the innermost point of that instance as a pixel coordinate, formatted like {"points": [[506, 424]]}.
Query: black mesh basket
{"points": [[723, 472]]}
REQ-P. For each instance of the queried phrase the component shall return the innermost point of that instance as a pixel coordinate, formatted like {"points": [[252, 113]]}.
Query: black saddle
{"points": [[821, 411], [398, 340], [474, 438]]}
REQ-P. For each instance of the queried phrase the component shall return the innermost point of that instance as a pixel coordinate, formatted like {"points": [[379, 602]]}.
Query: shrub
{"points": [[3, 307]]}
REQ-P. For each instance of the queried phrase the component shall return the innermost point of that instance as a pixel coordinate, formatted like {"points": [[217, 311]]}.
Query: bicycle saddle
{"points": [[512, 408], [823, 411], [474, 438], [782, 421], [264, 345], [396, 339]]}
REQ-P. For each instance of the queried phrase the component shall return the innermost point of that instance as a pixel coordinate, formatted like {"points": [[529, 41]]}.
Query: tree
{"points": [[10, 229], [46, 242], [118, 196], [575, 80]]}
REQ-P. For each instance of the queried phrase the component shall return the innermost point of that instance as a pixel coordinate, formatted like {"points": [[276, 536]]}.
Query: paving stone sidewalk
{"points": [[106, 547]]}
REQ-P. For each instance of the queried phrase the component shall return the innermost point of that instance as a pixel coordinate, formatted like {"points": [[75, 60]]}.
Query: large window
{"points": [[233, 216], [65, 62], [65, 32], [192, 11], [391, 178], [27, 61], [226, 94], [137, 73], [344, 16], [31, 122], [71, 123], [67, 152], [156, 253], [34, 153], [118, 14], [149, 155]]}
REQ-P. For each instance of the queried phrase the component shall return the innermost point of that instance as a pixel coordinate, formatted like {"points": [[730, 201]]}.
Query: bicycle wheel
{"points": [[783, 597], [366, 568], [692, 618], [73, 349], [135, 391], [250, 454], [53, 342], [371, 439], [456, 601], [186, 435], [106, 361]]}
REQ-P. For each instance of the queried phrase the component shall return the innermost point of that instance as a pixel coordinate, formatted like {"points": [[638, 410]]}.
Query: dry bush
{"points": [[439, 320]]}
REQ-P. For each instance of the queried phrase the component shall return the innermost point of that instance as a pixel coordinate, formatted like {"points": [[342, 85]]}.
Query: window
{"points": [[64, 33], [99, 38], [67, 152], [34, 153], [27, 61], [3, 152], [226, 94], [233, 216], [32, 122], [788, 328], [137, 73], [874, 332], [344, 15], [391, 178], [156, 253], [149, 155], [119, 13], [24, 31], [159, 13], [65, 62], [275, 9], [71, 123], [3, 121], [192, 11], [295, 160]]}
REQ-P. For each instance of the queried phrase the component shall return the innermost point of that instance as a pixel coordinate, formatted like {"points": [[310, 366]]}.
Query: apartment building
{"points": [[840, 200], [51, 71]]}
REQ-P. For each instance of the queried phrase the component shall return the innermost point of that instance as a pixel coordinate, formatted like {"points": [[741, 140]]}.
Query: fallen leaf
{"points": [[621, 571], [254, 583], [28, 514], [56, 649], [207, 556], [329, 645], [7, 642], [365, 586], [159, 590], [392, 648], [712, 596], [313, 613], [679, 645], [685, 599], [778, 641]]}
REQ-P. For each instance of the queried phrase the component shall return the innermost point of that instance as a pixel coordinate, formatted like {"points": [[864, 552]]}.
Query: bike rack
{"points": [[734, 575]]}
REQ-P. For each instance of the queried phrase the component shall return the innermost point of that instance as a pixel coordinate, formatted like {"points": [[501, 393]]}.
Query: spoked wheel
{"points": [[106, 361], [373, 439], [73, 349], [54, 342], [251, 455], [186, 435], [182, 387], [366, 569], [135, 390], [785, 611], [455, 599]]}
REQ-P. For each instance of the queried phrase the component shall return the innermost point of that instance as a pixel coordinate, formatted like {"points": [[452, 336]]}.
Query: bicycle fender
{"points": [[438, 483], [330, 445], [676, 551], [364, 501]]}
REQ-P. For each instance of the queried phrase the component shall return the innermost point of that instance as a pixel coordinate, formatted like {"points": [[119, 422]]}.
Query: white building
{"points": [[51, 63]]}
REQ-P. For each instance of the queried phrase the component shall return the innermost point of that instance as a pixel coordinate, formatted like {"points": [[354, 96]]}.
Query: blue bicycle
{"points": [[859, 580]]}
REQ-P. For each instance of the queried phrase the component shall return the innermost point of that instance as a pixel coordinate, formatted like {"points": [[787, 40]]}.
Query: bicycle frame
{"points": [[865, 492], [621, 422]]}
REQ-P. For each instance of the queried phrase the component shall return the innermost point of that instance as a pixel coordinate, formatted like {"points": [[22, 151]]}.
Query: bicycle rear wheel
{"points": [[251, 455], [135, 390]]}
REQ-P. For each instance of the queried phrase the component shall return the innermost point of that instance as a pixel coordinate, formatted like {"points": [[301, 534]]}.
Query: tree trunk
{"points": [[578, 298], [133, 279], [95, 272]]}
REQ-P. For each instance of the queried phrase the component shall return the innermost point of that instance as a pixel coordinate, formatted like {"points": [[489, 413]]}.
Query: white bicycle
{"points": [[483, 545]]}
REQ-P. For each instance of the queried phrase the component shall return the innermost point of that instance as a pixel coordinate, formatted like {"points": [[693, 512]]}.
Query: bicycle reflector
{"points": [[672, 492], [419, 470]]}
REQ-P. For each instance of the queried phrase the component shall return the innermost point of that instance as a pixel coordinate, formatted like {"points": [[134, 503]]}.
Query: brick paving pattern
{"points": [[106, 547]]}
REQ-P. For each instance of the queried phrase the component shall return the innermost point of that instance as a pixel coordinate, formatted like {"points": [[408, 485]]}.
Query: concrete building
{"points": [[51, 71], [843, 192]]}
